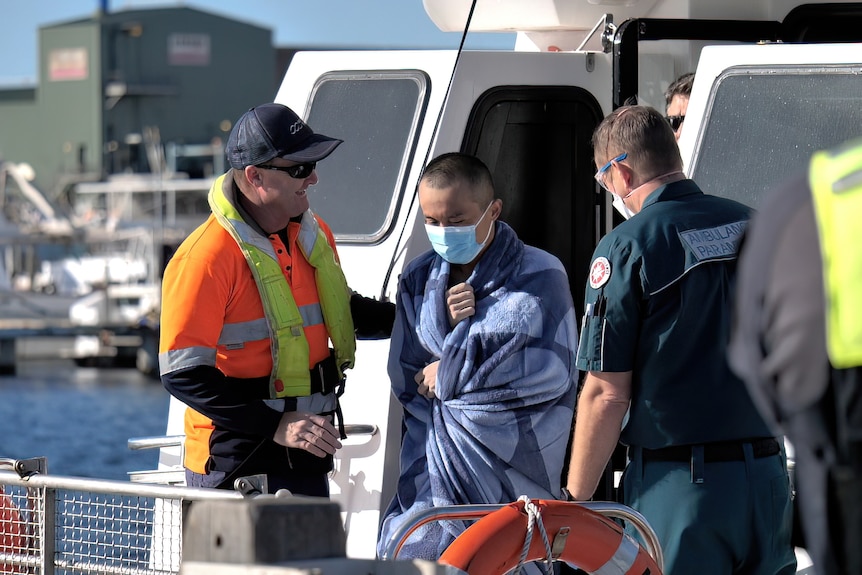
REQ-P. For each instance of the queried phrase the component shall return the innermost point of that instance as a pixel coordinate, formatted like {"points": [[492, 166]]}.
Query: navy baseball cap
{"points": [[275, 131]]}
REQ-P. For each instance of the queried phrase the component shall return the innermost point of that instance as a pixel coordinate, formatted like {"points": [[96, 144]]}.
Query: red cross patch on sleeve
{"points": [[600, 272]]}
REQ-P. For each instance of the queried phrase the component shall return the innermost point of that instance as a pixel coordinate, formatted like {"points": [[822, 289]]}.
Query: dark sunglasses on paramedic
{"points": [[675, 121], [299, 171]]}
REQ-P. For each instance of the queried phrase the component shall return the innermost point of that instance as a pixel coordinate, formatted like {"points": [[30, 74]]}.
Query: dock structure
{"points": [[13, 330], [26, 315], [106, 337]]}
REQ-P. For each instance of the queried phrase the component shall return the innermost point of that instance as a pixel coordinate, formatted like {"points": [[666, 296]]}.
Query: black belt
{"points": [[323, 376], [715, 452]]}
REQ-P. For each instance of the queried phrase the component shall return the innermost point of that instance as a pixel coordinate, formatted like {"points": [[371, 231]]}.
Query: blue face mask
{"points": [[457, 244]]}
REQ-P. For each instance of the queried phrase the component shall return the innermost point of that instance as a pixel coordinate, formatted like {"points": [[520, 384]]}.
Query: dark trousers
{"points": [[716, 517], [829, 496]]}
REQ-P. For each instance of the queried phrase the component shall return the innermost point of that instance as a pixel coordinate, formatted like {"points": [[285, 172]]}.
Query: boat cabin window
{"points": [[536, 142], [377, 115], [765, 123]]}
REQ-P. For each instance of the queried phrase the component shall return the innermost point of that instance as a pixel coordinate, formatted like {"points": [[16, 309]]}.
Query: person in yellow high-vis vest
{"points": [[256, 324], [797, 341]]}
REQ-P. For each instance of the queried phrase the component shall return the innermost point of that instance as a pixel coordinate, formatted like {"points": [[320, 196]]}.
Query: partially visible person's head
{"points": [[273, 154], [644, 136], [457, 191], [676, 101]]}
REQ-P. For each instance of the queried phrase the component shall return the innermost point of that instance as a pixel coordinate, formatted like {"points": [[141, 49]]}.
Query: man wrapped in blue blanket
{"points": [[482, 360]]}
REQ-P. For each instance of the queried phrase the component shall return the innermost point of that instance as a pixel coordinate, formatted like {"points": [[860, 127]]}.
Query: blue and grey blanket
{"points": [[506, 387]]}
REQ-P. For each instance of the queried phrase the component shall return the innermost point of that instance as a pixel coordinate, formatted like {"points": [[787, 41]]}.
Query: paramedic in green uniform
{"points": [[703, 467]]}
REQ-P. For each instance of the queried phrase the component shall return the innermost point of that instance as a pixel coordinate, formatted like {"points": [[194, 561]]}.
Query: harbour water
{"points": [[80, 418]]}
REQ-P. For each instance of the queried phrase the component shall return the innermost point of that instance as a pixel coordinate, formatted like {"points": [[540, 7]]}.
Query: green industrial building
{"points": [[117, 86]]}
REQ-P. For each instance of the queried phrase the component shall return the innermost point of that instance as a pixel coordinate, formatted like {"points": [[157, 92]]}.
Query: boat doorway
{"points": [[536, 142]]}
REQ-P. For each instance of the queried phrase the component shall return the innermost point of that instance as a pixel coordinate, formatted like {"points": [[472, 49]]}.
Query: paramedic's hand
{"points": [[426, 380], [313, 433], [461, 302]]}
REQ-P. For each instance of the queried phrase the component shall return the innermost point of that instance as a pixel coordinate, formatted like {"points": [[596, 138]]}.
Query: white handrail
{"points": [[159, 441]]}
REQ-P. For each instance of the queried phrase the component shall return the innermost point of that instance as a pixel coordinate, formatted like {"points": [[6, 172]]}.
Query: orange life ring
{"points": [[11, 530], [493, 544]]}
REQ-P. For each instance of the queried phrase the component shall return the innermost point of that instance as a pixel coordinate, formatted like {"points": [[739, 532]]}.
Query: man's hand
{"points": [[426, 380], [461, 302], [313, 433]]}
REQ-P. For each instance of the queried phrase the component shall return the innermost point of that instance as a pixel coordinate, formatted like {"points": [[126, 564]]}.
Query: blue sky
{"points": [[324, 23]]}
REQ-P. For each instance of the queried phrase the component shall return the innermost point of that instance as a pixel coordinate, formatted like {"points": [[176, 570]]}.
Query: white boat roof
{"points": [[558, 15]]}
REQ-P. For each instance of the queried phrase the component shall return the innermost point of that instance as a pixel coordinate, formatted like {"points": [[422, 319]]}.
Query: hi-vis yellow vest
{"points": [[290, 356], [835, 177]]}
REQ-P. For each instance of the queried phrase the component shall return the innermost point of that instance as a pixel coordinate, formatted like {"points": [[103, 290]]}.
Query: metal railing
{"points": [[66, 525], [63, 525], [159, 441]]}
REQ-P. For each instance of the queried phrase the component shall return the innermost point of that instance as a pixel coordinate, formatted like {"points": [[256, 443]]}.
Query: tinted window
{"points": [[764, 124], [376, 114]]}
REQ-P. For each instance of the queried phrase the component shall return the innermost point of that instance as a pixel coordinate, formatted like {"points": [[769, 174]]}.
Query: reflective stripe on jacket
{"points": [[836, 185]]}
